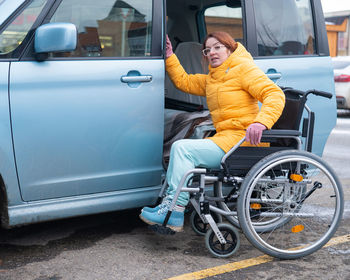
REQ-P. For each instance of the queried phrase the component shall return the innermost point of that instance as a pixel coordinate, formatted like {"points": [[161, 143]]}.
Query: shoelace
{"points": [[164, 206], [163, 210]]}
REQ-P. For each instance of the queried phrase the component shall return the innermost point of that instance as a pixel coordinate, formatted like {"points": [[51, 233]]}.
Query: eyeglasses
{"points": [[216, 48]]}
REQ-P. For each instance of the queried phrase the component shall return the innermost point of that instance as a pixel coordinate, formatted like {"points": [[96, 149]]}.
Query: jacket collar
{"points": [[233, 60]]}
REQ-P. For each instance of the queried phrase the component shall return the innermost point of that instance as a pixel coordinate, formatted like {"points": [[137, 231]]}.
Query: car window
{"points": [[108, 28], [223, 18], [15, 32], [340, 64], [284, 27]]}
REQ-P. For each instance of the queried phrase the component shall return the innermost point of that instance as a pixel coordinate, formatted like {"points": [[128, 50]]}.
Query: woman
{"points": [[233, 87]]}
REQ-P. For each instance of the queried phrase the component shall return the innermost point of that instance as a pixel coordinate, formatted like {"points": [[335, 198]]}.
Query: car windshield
{"points": [[7, 7], [15, 32], [340, 64]]}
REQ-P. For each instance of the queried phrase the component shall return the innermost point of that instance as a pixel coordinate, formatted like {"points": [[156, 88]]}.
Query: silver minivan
{"points": [[83, 91]]}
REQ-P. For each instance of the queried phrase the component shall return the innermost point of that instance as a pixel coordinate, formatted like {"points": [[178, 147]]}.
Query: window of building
{"points": [[223, 18]]}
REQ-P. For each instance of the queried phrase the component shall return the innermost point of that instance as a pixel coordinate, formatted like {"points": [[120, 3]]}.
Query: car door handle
{"points": [[136, 79], [274, 76]]}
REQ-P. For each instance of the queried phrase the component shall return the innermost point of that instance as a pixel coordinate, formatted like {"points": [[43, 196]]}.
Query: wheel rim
{"points": [[223, 249], [199, 226], [308, 232]]}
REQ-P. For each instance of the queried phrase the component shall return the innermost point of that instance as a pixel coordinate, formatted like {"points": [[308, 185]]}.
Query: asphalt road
{"points": [[119, 246]]}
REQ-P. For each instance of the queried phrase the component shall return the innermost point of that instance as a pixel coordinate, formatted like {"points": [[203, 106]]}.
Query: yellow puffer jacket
{"points": [[232, 90]]}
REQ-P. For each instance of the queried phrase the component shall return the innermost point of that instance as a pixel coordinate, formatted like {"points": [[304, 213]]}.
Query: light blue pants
{"points": [[187, 154]]}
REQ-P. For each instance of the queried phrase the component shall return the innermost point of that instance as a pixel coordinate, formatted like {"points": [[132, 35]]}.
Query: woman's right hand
{"points": [[169, 48], [254, 133]]}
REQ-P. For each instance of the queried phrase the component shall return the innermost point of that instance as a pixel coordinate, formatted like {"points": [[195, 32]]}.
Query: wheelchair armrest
{"points": [[268, 135], [281, 133], [273, 135]]}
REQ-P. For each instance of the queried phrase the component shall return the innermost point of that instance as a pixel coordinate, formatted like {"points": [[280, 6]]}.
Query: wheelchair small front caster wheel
{"points": [[222, 250], [199, 226]]}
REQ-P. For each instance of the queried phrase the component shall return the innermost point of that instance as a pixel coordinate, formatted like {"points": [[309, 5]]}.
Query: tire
{"points": [[303, 216], [199, 226], [223, 250]]}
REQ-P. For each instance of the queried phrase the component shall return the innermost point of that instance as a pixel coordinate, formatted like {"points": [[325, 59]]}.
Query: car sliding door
{"points": [[290, 45], [288, 42]]}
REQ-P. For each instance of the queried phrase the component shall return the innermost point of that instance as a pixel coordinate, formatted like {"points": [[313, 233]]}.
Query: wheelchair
{"points": [[287, 201]]}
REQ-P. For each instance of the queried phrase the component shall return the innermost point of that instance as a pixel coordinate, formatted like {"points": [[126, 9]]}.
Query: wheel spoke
{"points": [[308, 222], [223, 250]]}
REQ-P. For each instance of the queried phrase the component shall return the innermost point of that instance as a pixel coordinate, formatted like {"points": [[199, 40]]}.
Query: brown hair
{"points": [[224, 38]]}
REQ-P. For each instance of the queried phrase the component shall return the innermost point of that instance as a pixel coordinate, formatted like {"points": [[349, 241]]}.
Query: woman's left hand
{"points": [[169, 48], [254, 133]]}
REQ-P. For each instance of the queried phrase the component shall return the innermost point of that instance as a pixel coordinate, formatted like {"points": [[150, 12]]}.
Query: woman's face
{"points": [[218, 52]]}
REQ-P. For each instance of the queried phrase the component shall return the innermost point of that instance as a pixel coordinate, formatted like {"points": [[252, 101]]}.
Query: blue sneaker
{"points": [[165, 203], [176, 220]]}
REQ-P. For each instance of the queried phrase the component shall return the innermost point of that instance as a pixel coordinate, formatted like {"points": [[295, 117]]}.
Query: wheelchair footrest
{"points": [[161, 230]]}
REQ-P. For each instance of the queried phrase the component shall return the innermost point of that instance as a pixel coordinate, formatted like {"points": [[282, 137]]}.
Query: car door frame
{"points": [[9, 186]]}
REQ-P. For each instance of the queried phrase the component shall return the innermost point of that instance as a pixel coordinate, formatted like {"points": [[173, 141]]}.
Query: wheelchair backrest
{"points": [[293, 110], [243, 158]]}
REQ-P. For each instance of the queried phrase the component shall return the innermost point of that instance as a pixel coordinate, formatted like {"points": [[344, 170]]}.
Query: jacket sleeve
{"points": [[255, 82], [194, 84]]}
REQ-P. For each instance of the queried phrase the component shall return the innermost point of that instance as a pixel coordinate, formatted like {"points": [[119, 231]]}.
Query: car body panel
{"points": [[7, 162], [342, 89], [85, 142], [80, 130], [308, 73], [53, 209]]}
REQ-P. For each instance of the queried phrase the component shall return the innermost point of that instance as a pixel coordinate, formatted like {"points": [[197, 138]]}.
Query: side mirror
{"points": [[55, 37]]}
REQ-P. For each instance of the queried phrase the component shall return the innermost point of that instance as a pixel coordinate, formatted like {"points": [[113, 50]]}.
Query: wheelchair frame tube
{"points": [[180, 188], [222, 212], [309, 124], [231, 151]]}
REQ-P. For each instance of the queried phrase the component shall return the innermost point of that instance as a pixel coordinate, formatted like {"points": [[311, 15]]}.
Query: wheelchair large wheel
{"points": [[304, 212], [265, 225], [223, 250]]}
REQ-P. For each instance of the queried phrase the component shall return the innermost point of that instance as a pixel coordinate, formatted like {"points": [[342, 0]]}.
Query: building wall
{"points": [[338, 33]]}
